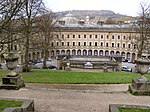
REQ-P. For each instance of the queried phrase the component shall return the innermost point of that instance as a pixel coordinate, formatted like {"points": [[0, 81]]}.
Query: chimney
{"points": [[81, 22], [61, 22], [100, 23]]}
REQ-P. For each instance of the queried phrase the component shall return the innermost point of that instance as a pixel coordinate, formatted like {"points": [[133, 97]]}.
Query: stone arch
{"points": [[101, 52], [84, 52], [95, 53], [118, 53], [73, 52], [106, 53], [128, 55], [111, 53], [62, 51], [68, 52], [52, 53], [57, 52], [133, 57], [79, 52], [89, 52]]}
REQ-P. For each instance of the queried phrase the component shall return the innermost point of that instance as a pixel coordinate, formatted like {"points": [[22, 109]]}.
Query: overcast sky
{"points": [[127, 7]]}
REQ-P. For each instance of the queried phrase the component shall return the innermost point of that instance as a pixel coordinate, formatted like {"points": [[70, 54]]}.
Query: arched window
{"points": [[73, 52], [84, 52], [90, 52], [95, 52], [79, 52], [101, 52]]}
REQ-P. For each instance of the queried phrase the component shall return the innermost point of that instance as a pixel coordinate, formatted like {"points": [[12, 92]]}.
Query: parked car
{"points": [[149, 70], [125, 68], [52, 67]]}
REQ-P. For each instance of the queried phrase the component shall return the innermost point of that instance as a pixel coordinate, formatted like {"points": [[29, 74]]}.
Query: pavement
{"points": [[75, 97]]}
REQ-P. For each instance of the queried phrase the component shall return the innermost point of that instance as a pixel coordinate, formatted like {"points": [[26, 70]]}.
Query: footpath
{"points": [[75, 97]]}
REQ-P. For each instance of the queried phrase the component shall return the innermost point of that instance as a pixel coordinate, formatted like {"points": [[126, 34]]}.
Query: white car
{"points": [[125, 68], [149, 70]]}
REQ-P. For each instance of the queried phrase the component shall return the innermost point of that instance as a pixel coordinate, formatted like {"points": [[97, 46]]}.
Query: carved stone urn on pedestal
{"points": [[141, 85], [12, 80]]}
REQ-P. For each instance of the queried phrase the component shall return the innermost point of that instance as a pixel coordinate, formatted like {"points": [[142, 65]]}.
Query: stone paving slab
{"points": [[47, 98]]}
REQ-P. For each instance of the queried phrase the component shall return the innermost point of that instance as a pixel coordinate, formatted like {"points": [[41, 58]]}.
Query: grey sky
{"points": [[127, 7]]}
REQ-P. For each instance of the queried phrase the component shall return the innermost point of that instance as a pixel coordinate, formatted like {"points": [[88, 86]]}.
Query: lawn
{"points": [[133, 110], [9, 104], [71, 77]]}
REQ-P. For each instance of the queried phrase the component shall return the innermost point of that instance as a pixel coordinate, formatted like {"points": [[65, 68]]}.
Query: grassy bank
{"points": [[71, 77], [133, 110], [9, 104]]}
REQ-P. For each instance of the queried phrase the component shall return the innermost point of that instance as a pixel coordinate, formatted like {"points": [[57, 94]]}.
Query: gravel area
{"points": [[76, 98]]}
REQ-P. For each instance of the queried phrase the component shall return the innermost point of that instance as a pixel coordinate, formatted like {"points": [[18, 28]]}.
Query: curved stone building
{"points": [[83, 37]]}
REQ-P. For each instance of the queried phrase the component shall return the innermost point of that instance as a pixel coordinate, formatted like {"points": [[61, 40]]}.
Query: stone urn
{"points": [[142, 67], [12, 80], [141, 85], [11, 62]]}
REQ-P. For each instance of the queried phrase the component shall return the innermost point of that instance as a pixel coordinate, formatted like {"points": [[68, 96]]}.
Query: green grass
{"points": [[133, 110], [9, 104], [72, 77]]}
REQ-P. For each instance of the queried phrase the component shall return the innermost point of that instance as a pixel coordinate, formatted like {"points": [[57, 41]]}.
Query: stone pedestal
{"points": [[12, 81], [139, 87]]}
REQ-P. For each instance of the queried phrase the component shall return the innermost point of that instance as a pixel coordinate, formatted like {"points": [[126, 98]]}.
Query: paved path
{"points": [[75, 98]]}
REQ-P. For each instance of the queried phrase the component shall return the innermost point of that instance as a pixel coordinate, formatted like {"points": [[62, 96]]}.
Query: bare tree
{"points": [[47, 27], [29, 13], [142, 27], [9, 10]]}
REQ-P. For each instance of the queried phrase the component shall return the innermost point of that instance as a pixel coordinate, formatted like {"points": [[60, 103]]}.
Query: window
{"points": [[73, 43], [84, 36], [113, 37], [57, 36], [106, 44], [95, 36], [57, 43], [84, 43], [123, 45], [15, 47], [79, 36], [67, 43], [118, 37], [112, 44], [129, 45], [73, 36], [52, 44], [90, 36], [118, 45], [68, 36], [79, 43], [124, 37], [107, 36], [134, 46], [95, 43], [101, 43], [101, 36], [62, 43], [62, 36], [90, 44], [129, 37]]}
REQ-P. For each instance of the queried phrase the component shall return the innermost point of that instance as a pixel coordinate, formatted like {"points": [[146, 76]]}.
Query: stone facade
{"points": [[92, 38]]}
